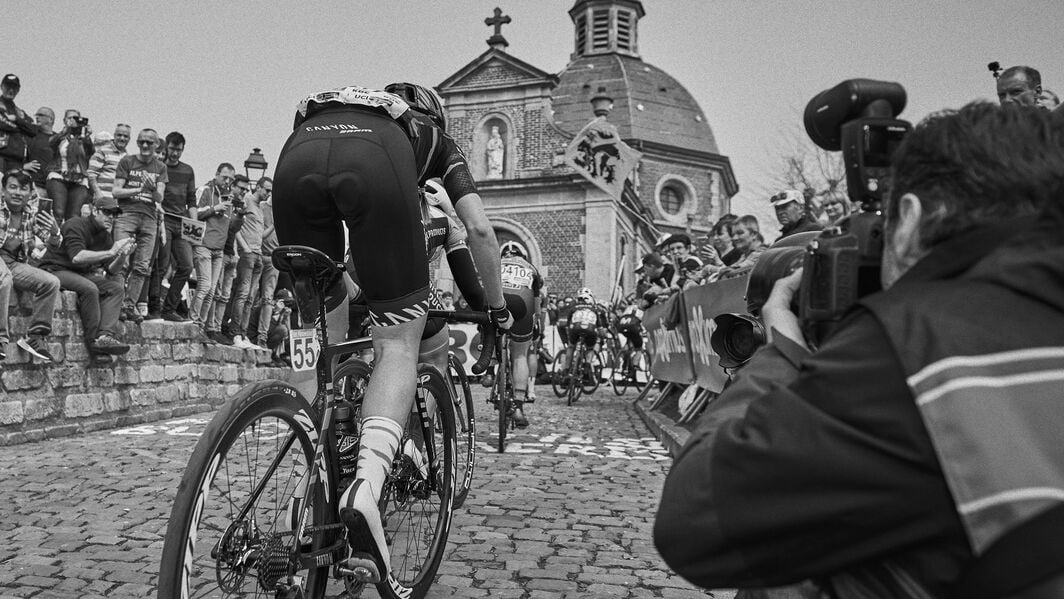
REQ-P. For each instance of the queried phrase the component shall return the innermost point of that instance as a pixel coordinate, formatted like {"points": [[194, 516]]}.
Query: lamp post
{"points": [[255, 166]]}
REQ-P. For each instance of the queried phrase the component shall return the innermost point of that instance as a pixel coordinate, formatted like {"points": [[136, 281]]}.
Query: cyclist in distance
{"points": [[356, 157], [585, 321], [521, 287]]}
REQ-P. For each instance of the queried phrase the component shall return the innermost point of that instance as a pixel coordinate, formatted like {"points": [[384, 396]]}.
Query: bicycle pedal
{"points": [[361, 567]]}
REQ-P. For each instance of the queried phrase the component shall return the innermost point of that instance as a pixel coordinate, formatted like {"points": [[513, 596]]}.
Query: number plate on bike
{"points": [[304, 348]]}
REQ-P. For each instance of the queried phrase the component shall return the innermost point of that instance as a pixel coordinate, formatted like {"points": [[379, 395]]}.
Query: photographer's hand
{"points": [[777, 314]]}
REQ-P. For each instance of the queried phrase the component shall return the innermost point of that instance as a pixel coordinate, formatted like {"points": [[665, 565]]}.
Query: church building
{"points": [[515, 122]]}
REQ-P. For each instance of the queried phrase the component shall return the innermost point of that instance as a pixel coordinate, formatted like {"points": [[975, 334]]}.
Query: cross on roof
{"points": [[498, 20]]}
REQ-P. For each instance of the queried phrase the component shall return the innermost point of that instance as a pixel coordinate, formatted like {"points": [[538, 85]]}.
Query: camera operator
{"points": [[67, 180], [917, 450]]}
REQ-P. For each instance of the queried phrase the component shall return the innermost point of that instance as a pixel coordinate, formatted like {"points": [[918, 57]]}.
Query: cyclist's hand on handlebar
{"points": [[501, 317]]}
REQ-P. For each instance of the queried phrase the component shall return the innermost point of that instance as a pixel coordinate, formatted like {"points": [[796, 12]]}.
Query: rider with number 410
{"points": [[357, 157]]}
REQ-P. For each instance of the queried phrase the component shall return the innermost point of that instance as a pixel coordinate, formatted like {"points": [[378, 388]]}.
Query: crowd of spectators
{"points": [[81, 213]]}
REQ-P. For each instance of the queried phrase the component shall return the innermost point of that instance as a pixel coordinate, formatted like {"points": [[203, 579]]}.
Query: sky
{"points": [[229, 75]]}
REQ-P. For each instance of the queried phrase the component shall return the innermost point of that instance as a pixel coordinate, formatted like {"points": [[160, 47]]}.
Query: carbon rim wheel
{"points": [[592, 372], [557, 375], [230, 531], [416, 509], [619, 378], [640, 368], [465, 427]]}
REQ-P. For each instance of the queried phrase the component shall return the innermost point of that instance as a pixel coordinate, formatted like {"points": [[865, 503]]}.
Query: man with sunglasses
{"points": [[88, 262], [140, 181]]}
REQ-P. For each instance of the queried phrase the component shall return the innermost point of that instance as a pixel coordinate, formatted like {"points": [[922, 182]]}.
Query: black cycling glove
{"points": [[501, 317]]}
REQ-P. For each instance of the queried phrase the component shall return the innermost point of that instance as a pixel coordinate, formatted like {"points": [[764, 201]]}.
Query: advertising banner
{"points": [[669, 355], [702, 304]]}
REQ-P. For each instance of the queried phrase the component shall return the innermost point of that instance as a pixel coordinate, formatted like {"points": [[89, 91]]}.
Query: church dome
{"points": [[648, 103]]}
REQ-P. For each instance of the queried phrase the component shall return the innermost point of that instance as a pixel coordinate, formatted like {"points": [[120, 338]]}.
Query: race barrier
{"points": [[683, 361]]}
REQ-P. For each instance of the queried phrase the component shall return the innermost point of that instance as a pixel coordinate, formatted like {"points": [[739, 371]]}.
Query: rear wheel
{"points": [[640, 368], [575, 373], [558, 375], [591, 374], [504, 391], [416, 509], [244, 492]]}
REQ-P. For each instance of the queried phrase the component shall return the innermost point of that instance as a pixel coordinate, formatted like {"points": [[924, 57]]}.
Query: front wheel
{"points": [[640, 368], [243, 494], [558, 375], [465, 427], [619, 378]]}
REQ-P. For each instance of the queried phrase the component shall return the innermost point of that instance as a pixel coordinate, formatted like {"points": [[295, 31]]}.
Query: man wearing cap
{"points": [[790, 211], [89, 263], [15, 125], [104, 162]]}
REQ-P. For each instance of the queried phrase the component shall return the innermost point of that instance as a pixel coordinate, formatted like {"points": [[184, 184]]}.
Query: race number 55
{"points": [[304, 348]]}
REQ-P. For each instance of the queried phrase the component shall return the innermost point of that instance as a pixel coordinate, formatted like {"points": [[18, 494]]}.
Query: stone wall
{"points": [[171, 370]]}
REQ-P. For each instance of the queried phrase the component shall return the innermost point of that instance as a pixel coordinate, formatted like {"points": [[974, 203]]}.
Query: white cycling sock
{"points": [[377, 447]]}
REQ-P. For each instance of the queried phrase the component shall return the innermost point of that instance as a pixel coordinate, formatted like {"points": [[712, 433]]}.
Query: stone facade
{"points": [[170, 371], [577, 234]]}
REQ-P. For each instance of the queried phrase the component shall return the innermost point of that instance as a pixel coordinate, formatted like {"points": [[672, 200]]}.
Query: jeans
{"points": [[180, 251], [143, 228], [248, 271], [267, 286], [67, 198], [99, 300], [221, 294], [45, 288], [208, 271]]}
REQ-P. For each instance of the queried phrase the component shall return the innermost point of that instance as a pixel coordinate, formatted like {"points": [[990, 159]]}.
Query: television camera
{"points": [[842, 263]]}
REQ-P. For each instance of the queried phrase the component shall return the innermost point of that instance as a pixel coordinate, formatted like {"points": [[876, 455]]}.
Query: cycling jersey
{"points": [[521, 284], [630, 324], [584, 323]]}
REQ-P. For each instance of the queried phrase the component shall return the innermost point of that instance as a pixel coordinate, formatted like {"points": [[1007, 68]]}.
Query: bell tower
{"points": [[605, 27]]}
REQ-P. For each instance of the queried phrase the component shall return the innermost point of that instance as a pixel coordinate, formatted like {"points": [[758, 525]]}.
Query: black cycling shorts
{"points": [[520, 306], [354, 165], [588, 335]]}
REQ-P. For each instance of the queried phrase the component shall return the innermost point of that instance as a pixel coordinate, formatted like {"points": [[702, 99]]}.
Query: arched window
{"points": [[672, 199]]}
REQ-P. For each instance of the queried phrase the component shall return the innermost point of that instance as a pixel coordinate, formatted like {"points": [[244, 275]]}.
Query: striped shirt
{"points": [[102, 167]]}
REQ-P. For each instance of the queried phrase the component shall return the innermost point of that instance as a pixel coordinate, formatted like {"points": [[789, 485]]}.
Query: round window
{"points": [[672, 199]]}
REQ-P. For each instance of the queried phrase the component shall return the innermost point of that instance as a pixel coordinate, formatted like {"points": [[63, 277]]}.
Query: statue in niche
{"points": [[495, 153]]}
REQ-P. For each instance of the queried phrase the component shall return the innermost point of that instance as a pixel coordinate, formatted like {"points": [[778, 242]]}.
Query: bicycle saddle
{"points": [[307, 263]]}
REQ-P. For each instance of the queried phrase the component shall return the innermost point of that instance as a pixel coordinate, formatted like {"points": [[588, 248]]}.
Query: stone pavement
{"points": [[566, 512]]}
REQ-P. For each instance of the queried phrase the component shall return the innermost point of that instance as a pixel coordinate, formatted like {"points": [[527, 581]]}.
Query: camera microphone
{"points": [[994, 68]]}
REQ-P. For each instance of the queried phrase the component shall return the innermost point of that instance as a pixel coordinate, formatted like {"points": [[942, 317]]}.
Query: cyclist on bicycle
{"points": [[587, 322], [356, 157], [521, 286]]}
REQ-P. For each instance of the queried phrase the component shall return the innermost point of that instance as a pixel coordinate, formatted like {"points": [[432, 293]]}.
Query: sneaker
{"points": [[531, 397], [106, 344], [130, 314], [142, 308], [219, 338], [153, 316], [36, 346], [240, 342], [173, 317]]}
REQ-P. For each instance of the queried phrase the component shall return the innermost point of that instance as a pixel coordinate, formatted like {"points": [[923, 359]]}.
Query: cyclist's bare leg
{"points": [[389, 398], [432, 351], [533, 368], [519, 372]]}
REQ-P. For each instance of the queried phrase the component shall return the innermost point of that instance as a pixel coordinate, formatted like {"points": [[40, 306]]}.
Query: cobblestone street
{"points": [[565, 512]]}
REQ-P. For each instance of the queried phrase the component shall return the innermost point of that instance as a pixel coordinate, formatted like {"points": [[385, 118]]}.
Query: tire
{"points": [[465, 427], [574, 387], [619, 380], [592, 372], [416, 511], [556, 382], [504, 391], [265, 424]]}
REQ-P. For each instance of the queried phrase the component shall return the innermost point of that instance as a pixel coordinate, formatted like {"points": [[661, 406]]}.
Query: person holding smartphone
{"points": [[67, 182], [20, 226]]}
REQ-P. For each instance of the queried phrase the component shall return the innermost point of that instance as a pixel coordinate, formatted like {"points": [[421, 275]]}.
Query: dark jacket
{"points": [[806, 223], [821, 465], [15, 127]]}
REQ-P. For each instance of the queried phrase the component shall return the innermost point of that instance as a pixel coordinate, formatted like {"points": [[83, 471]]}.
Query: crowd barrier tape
{"points": [[679, 332]]}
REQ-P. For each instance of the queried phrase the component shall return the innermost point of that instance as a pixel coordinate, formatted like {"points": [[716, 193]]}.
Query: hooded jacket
{"points": [[827, 466]]}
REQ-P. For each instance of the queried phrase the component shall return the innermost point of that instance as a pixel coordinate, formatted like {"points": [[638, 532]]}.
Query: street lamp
{"points": [[255, 166]]}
